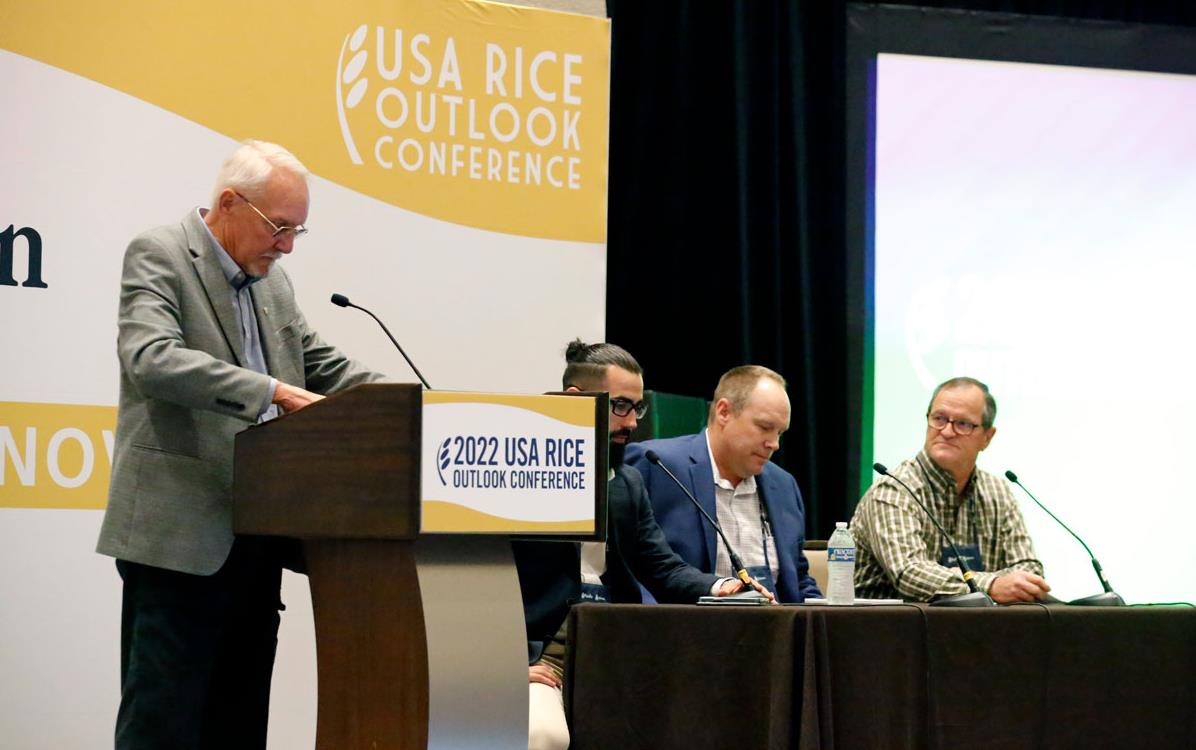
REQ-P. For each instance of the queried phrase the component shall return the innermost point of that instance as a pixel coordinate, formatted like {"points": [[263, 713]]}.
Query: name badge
{"points": [[594, 592], [970, 554]]}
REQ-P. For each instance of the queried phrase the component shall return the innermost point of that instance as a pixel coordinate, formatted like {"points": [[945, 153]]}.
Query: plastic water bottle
{"points": [[840, 567]]}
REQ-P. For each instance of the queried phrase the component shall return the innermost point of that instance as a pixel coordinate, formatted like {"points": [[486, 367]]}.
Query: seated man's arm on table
{"points": [[895, 527], [660, 569], [1019, 578]]}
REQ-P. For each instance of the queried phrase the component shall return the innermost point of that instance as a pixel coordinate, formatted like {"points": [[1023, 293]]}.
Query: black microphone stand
{"points": [[975, 597], [341, 300], [1108, 598]]}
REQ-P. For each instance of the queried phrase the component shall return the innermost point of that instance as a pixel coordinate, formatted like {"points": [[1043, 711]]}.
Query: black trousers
{"points": [[197, 652]]}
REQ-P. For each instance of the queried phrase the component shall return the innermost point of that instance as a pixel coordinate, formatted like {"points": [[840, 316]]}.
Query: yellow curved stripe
{"points": [[450, 518], [319, 76], [55, 455], [574, 410]]}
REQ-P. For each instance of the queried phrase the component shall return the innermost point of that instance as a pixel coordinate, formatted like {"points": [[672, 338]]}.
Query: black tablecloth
{"points": [[905, 676]]}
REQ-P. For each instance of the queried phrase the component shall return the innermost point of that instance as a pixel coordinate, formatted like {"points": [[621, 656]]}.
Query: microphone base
{"points": [[1104, 599], [973, 599]]}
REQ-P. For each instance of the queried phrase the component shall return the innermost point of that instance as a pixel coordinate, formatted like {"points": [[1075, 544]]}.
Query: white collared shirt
{"points": [[740, 514]]}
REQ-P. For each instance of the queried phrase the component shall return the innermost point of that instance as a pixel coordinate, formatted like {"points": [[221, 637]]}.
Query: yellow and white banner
{"points": [[485, 115], [501, 463], [55, 455], [459, 159]]}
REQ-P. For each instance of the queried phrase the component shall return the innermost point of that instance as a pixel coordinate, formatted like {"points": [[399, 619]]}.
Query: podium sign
{"points": [[511, 464], [404, 501]]}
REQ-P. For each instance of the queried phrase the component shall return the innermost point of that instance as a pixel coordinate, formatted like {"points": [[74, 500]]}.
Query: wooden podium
{"points": [[420, 641]]}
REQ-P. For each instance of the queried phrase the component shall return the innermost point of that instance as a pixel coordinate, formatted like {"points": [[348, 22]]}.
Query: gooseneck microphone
{"points": [[341, 300], [740, 570], [975, 597], [1109, 598]]}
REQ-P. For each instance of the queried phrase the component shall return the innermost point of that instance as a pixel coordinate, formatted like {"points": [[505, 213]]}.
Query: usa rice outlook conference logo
{"points": [[442, 459], [489, 112], [491, 462], [350, 75]]}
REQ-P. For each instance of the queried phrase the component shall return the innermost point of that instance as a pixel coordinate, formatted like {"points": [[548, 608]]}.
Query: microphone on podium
{"points": [[736, 562], [975, 597], [1109, 598], [341, 300]]}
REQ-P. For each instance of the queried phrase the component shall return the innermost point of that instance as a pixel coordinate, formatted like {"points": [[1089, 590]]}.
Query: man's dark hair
{"points": [[587, 363], [990, 403]]}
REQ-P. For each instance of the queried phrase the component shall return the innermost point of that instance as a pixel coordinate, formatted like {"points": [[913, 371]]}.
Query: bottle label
{"points": [[840, 554]]}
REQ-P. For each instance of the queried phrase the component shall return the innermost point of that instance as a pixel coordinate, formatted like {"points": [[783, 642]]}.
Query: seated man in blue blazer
{"points": [[727, 468]]}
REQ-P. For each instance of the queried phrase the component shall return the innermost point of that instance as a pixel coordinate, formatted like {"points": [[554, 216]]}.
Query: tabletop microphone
{"points": [[341, 300], [1109, 598], [736, 563], [975, 597]]}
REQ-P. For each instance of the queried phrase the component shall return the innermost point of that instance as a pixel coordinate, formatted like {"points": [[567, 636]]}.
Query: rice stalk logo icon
{"points": [[442, 459], [348, 75]]}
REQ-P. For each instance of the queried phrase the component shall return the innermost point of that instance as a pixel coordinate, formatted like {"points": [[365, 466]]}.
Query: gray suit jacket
{"points": [[184, 394]]}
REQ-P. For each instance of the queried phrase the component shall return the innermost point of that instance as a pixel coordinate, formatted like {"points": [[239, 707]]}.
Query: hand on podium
{"points": [[293, 398]]}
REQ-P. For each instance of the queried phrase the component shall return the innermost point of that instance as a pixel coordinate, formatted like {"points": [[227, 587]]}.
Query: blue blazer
{"points": [[691, 536]]}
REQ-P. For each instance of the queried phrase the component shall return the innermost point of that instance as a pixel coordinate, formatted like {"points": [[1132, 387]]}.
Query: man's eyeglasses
{"points": [[283, 231], [621, 407], [940, 422]]}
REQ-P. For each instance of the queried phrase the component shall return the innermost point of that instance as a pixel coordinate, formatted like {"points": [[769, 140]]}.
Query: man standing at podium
{"points": [[554, 575], [899, 552], [727, 467], [210, 340]]}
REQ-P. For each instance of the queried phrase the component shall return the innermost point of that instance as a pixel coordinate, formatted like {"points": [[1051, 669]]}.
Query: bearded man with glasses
{"points": [[899, 553]]}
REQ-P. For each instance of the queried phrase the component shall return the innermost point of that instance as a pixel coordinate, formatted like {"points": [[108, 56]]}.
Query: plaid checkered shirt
{"points": [[898, 548]]}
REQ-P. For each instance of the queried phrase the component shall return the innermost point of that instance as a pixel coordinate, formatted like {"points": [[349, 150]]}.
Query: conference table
{"points": [[903, 676]]}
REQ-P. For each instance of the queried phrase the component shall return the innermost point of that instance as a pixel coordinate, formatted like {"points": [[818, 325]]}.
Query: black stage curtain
{"points": [[726, 225]]}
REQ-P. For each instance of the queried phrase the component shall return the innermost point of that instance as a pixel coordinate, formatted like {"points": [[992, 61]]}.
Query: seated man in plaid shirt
{"points": [[900, 554]]}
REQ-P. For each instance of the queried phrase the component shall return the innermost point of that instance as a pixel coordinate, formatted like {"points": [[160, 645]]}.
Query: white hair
{"points": [[247, 169]]}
